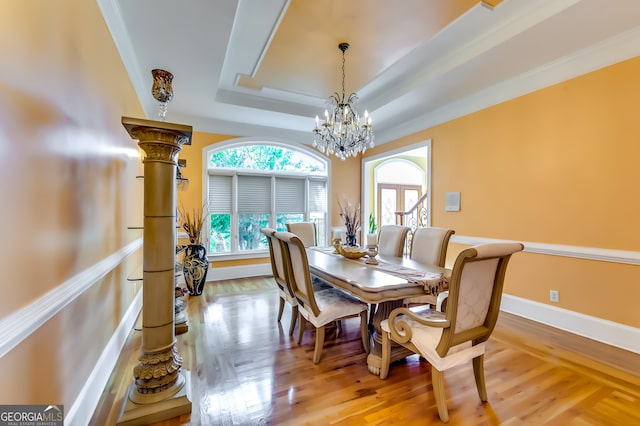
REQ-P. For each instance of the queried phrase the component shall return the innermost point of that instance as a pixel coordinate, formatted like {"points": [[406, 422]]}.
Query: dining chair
{"points": [[429, 245], [317, 307], [279, 275], [447, 339], [391, 240], [306, 231]]}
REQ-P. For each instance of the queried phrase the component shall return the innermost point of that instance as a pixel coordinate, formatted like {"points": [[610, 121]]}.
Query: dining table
{"points": [[383, 285]]}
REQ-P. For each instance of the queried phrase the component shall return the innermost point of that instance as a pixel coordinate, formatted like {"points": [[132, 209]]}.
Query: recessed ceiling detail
{"points": [[265, 67]]}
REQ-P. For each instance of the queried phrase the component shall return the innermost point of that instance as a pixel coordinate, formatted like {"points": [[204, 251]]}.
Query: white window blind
{"points": [[220, 194], [317, 196], [254, 194], [290, 195]]}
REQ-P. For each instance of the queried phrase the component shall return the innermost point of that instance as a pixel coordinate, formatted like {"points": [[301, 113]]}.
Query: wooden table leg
{"points": [[374, 360]]}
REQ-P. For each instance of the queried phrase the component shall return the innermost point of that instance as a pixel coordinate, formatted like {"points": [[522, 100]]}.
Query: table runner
{"points": [[432, 282]]}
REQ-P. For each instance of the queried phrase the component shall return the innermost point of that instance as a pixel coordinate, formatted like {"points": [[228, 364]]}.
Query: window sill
{"points": [[235, 256]]}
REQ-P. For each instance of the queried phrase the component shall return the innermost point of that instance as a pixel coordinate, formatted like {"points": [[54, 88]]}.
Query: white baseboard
{"points": [[605, 331], [85, 404], [234, 272]]}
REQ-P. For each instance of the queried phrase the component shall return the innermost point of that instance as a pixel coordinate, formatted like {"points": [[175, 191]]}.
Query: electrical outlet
{"points": [[554, 296]]}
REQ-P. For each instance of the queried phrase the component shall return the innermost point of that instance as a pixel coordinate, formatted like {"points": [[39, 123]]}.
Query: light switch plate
{"points": [[452, 203]]}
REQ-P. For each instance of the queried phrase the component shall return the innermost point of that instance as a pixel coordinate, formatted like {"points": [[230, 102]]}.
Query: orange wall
{"points": [[67, 181], [346, 184], [557, 166]]}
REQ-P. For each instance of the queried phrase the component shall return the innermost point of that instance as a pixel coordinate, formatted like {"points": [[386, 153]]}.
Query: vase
{"points": [[351, 240], [194, 268], [162, 90]]}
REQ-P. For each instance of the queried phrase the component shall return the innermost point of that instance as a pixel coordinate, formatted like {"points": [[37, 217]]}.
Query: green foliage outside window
{"points": [[220, 233], [264, 157]]}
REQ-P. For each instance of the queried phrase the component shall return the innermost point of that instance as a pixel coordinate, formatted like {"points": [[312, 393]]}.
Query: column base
{"points": [[156, 410]]}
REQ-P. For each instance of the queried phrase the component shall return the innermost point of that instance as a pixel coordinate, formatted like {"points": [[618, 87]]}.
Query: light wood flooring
{"points": [[246, 370]]}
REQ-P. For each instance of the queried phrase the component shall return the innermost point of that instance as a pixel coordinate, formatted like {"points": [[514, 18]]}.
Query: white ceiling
{"points": [[265, 67]]}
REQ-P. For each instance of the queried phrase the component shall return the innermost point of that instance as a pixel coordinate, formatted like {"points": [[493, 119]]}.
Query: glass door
{"points": [[393, 198]]}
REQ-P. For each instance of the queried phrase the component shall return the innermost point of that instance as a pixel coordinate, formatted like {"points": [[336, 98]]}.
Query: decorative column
{"points": [[160, 390]]}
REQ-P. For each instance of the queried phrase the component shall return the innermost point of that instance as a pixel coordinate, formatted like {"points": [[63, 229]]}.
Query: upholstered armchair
{"points": [[317, 307], [306, 231], [447, 339], [391, 240], [429, 245]]}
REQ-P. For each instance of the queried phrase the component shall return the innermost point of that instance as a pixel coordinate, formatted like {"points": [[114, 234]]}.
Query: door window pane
{"points": [[410, 198], [388, 206]]}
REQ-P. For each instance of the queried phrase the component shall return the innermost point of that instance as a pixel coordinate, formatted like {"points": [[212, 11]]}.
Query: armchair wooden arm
{"points": [[400, 328]]}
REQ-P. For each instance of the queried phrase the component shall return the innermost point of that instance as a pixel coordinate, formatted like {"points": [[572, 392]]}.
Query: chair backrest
{"points": [[306, 231], [475, 291], [277, 261], [391, 240], [429, 245], [298, 274]]}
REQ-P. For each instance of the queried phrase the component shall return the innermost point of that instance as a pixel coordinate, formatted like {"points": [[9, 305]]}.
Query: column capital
{"points": [[160, 140]]}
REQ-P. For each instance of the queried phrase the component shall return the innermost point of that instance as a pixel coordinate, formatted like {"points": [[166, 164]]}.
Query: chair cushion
{"points": [[306, 231], [428, 244], [333, 304], [426, 340], [476, 284], [391, 240]]}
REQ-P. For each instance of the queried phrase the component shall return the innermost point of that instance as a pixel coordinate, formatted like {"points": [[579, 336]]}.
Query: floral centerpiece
{"points": [[350, 213]]}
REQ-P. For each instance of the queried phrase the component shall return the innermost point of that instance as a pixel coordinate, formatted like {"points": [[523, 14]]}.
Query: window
{"points": [[252, 186]]}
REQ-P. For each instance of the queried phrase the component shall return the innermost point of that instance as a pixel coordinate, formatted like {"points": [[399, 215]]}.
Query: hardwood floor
{"points": [[246, 370]]}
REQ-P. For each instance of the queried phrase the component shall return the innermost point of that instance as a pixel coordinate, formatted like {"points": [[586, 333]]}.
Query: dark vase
{"points": [[351, 240], [194, 268]]}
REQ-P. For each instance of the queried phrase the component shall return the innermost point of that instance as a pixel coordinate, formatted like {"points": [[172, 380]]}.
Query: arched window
{"points": [[252, 184]]}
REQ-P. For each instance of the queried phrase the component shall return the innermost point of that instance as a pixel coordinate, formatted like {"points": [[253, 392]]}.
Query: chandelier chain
{"points": [[343, 91]]}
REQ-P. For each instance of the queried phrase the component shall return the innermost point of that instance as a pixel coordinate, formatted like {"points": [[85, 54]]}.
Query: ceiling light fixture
{"points": [[342, 132]]}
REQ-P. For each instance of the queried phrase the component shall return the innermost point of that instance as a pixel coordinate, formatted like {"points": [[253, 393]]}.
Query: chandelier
{"points": [[343, 133]]}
